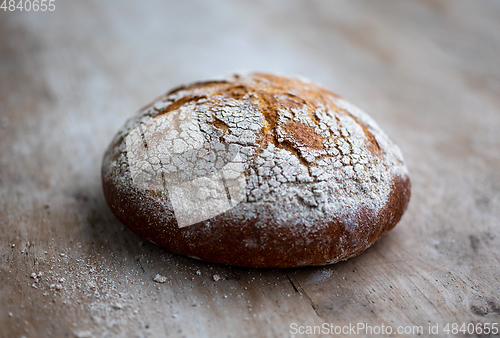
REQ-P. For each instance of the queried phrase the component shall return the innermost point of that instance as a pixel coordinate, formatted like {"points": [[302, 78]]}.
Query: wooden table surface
{"points": [[427, 71]]}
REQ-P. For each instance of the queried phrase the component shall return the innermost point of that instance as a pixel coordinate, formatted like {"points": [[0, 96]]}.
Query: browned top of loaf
{"points": [[265, 88]]}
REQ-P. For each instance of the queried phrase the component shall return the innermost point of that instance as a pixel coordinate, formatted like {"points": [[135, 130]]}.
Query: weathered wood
{"points": [[427, 71]]}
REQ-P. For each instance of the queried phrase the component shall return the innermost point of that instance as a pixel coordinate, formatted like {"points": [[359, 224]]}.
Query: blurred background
{"points": [[427, 71]]}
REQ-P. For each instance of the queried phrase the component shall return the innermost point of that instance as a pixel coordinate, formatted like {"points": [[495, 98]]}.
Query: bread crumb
{"points": [[216, 278], [160, 279], [82, 334]]}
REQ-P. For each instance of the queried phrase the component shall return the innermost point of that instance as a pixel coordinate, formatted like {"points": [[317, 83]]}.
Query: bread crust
{"points": [[314, 179]]}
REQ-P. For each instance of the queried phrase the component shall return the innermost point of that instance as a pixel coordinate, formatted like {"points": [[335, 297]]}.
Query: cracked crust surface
{"points": [[256, 170]]}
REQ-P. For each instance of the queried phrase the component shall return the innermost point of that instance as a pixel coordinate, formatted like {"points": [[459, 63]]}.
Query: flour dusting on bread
{"points": [[261, 141]]}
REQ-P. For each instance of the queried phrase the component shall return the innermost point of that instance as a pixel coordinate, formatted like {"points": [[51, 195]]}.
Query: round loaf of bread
{"points": [[256, 170]]}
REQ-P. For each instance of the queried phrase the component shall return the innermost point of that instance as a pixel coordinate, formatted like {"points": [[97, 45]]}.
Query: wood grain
{"points": [[427, 71]]}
